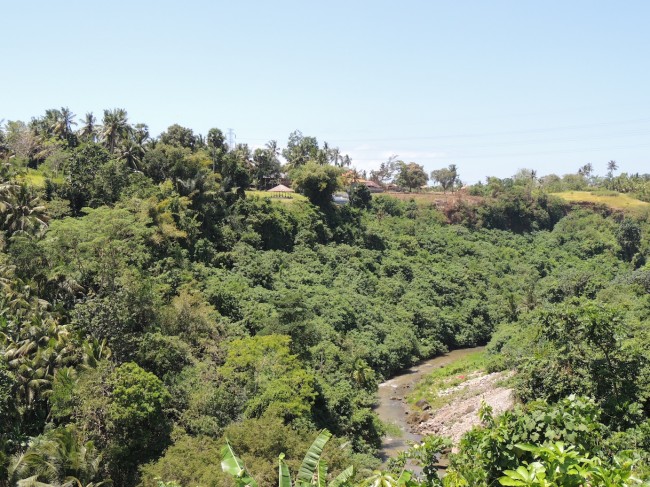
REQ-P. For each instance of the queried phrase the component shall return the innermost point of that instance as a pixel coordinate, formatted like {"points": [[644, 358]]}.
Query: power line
{"points": [[514, 154], [488, 144], [492, 134], [480, 134]]}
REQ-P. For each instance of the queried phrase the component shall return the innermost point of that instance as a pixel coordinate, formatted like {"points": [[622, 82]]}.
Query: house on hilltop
{"points": [[371, 185]]}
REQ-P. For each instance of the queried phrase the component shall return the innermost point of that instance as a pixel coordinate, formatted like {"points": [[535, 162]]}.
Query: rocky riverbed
{"points": [[460, 414], [457, 415]]}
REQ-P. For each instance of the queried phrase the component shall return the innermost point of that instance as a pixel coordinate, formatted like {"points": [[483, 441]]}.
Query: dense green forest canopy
{"points": [[152, 306]]}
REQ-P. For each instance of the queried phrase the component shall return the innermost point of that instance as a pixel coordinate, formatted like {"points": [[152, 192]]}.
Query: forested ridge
{"points": [[152, 306]]}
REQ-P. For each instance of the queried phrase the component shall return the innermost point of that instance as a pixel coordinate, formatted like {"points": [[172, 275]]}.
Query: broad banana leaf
{"points": [[284, 478], [322, 474], [343, 477], [310, 462], [231, 464]]}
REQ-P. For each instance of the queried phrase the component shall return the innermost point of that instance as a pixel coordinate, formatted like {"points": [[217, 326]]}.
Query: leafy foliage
{"points": [[150, 307]]}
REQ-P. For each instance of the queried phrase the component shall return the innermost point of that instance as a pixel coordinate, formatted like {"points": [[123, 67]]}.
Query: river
{"points": [[391, 407]]}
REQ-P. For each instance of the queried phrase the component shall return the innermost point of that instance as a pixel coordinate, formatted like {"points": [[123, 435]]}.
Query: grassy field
{"points": [[37, 179], [447, 377], [617, 201], [432, 198], [281, 198]]}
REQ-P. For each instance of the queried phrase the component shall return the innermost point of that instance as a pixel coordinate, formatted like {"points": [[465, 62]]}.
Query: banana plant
{"points": [[312, 471], [284, 477], [232, 465], [311, 464]]}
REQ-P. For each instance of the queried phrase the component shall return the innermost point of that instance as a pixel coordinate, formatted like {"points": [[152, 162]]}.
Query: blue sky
{"points": [[492, 86]]}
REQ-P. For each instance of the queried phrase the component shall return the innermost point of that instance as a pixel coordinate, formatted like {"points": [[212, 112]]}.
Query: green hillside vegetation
{"points": [[153, 307]]}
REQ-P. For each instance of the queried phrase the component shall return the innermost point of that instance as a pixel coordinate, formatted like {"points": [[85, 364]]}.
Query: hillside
{"points": [[611, 199], [153, 309]]}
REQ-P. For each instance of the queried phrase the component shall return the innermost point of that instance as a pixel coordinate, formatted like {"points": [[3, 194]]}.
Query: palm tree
{"points": [[334, 154], [132, 153], [141, 134], [362, 373], [7, 173], [34, 353], [7, 185], [351, 177], [63, 122], [586, 170], [89, 129], [58, 457], [611, 167], [20, 210], [272, 147], [93, 352], [45, 126], [18, 299], [115, 127]]}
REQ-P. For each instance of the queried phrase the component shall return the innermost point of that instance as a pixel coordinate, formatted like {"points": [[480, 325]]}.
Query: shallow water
{"points": [[393, 410]]}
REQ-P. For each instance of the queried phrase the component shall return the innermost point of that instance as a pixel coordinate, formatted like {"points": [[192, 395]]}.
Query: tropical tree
{"points": [[58, 457], [333, 156], [300, 150], [235, 168], [131, 152], [21, 210], [115, 127], [266, 165], [411, 176], [63, 124], [386, 170], [318, 183], [272, 147], [19, 299], [216, 139], [611, 167], [84, 166], [141, 135], [586, 171], [628, 235], [179, 136], [344, 161], [362, 374], [35, 353], [360, 196], [124, 410], [22, 141], [270, 380], [447, 177], [88, 130]]}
